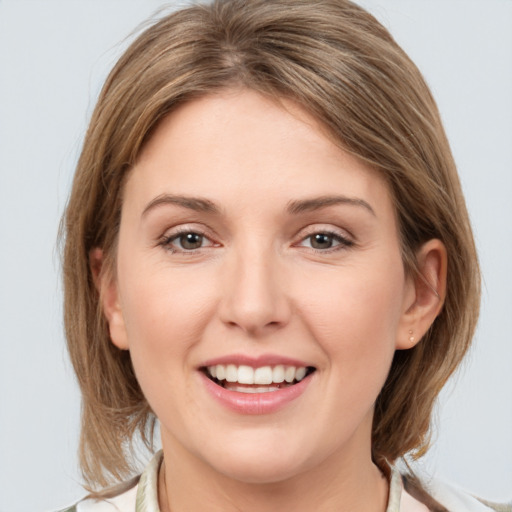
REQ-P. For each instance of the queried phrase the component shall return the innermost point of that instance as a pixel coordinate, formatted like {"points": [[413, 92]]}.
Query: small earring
{"points": [[411, 337]]}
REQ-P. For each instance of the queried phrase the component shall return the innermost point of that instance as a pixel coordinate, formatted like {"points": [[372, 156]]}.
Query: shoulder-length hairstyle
{"points": [[338, 63]]}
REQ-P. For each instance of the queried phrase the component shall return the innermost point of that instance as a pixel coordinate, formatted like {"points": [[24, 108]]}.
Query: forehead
{"points": [[238, 143]]}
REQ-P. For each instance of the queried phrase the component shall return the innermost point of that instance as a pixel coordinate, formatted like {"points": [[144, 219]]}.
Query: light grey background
{"points": [[54, 56]]}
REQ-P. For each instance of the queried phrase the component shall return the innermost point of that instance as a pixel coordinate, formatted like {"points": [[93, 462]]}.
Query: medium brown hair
{"points": [[343, 67]]}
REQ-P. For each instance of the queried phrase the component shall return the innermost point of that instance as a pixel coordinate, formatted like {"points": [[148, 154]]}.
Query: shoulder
{"points": [[454, 498], [124, 502], [139, 493], [436, 495]]}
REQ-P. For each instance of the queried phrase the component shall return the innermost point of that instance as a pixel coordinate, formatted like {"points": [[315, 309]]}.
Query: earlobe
{"points": [[109, 297], [425, 294]]}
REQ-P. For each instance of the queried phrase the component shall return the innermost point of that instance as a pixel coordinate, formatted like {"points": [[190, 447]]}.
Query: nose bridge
{"points": [[254, 299]]}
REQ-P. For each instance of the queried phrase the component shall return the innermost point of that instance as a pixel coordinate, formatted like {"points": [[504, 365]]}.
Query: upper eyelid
{"points": [[188, 228], [300, 235], [343, 241], [324, 228]]}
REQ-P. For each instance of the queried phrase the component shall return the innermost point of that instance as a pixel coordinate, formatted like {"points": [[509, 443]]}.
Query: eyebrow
{"points": [[191, 203], [316, 203], [199, 204]]}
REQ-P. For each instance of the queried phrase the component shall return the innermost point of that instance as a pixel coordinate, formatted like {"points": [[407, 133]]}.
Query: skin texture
{"points": [[257, 285]]}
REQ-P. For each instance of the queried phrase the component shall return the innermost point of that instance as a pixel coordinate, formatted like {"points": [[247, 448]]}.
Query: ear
{"points": [[425, 294], [109, 297]]}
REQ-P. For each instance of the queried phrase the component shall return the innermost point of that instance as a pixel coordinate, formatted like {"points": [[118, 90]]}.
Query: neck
{"points": [[343, 482]]}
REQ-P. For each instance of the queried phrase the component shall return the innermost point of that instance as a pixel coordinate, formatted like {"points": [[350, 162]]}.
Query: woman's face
{"points": [[254, 249]]}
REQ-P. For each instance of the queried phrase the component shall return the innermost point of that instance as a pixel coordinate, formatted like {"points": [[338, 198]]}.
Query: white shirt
{"points": [[143, 497]]}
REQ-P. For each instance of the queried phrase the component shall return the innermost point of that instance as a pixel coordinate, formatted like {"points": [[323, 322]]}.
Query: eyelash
{"points": [[167, 240], [342, 241]]}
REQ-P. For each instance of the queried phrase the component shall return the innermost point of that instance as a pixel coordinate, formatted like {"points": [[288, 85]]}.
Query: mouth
{"points": [[263, 379]]}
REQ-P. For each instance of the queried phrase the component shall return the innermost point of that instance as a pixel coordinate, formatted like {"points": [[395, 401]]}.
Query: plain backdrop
{"points": [[54, 56]]}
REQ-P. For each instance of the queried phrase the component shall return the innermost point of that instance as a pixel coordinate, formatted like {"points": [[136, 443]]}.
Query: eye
{"points": [[322, 241], [185, 241], [190, 241], [325, 240]]}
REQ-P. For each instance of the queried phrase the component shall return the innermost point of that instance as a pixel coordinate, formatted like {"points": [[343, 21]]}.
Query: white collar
{"points": [[147, 492]]}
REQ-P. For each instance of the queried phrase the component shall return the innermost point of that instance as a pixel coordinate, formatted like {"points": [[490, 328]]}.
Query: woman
{"points": [[267, 249]]}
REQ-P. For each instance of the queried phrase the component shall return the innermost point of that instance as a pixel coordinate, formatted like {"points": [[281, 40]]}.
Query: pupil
{"points": [[321, 241], [191, 241]]}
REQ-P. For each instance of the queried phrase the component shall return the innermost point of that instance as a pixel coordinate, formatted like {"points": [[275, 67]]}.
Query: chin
{"points": [[260, 472], [260, 463]]}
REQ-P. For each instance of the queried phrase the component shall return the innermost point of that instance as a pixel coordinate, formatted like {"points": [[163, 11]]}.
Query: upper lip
{"points": [[255, 362]]}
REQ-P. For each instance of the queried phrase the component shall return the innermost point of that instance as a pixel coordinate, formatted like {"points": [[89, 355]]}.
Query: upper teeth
{"points": [[262, 375]]}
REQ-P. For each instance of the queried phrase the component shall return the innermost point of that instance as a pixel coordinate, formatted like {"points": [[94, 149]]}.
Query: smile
{"points": [[264, 379]]}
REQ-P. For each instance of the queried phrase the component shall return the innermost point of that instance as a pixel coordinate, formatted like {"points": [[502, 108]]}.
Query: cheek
{"points": [[165, 313], [354, 317], [355, 296]]}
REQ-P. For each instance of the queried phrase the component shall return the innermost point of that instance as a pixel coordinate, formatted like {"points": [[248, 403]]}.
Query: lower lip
{"points": [[255, 403]]}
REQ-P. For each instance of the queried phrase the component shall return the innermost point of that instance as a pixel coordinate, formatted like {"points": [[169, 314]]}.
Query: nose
{"points": [[254, 299]]}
